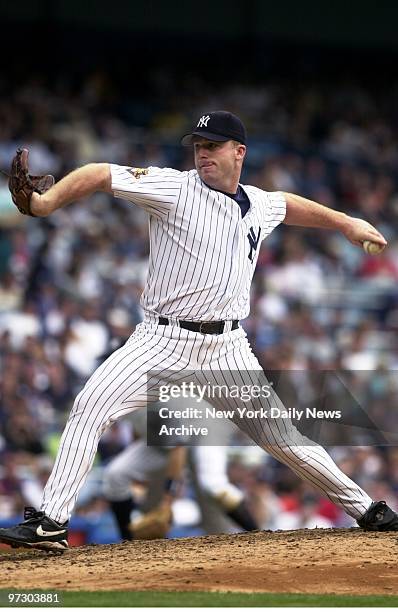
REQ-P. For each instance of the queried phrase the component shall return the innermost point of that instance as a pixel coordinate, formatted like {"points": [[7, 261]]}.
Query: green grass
{"points": [[204, 599]]}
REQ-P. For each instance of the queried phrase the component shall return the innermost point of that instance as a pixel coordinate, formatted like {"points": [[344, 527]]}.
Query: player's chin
{"points": [[207, 173]]}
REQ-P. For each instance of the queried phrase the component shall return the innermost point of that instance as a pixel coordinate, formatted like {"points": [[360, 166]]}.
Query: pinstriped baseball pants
{"points": [[122, 384]]}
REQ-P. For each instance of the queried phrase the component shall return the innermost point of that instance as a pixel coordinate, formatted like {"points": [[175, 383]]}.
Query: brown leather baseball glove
{"points": [[152, 525], [22, 184]]}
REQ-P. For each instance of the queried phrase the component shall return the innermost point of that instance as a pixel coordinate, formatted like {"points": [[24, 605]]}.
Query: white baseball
{"points": [[372, 248]]}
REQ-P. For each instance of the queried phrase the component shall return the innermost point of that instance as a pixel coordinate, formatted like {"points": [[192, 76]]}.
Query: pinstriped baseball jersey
{"points": [[203, 253]]}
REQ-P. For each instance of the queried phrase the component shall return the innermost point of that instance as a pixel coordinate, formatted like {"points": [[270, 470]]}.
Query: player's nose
{"points": [[202, 149]]}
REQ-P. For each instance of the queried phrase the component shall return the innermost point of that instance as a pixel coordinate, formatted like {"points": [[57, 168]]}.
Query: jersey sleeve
{"points": [[275, 210], [156, 190]]}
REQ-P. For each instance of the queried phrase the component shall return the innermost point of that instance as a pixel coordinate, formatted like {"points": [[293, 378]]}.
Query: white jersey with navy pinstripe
{"points": [[203, 255], [202, 252]]}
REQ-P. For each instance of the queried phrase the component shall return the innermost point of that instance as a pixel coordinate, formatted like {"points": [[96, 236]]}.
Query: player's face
{"points": [[219, 164]]}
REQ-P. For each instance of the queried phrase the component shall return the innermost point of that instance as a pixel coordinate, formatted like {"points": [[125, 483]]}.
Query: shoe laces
{"points": [[31, 513], [379, 510]]}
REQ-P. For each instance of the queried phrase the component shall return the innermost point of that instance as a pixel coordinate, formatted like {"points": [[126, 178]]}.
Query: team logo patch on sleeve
{"points": [[138, 172]]}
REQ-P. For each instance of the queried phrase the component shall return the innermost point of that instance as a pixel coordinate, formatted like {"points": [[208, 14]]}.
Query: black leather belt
{"points": [[203, 327]]}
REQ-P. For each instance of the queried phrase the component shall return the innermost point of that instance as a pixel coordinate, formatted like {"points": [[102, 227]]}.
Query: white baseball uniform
{"points": [[202, 259]]}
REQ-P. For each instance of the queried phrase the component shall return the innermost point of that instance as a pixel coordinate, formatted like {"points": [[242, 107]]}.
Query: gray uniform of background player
{"points": [[138, 462]]}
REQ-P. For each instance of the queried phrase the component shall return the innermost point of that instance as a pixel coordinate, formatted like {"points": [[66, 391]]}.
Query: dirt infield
{"points": [[343, 561]]}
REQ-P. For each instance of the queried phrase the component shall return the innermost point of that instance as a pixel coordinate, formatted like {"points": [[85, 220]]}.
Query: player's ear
{"points": [[240, 150]]}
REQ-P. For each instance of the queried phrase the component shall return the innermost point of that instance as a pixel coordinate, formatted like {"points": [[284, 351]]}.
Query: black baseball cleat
{"points": [[379, 517], [37, 531]]}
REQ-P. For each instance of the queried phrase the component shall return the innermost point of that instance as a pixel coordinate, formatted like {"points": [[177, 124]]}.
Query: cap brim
{"points": [[188, 139]]}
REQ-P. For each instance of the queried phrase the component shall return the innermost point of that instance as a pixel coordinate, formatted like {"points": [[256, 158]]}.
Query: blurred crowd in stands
{"points": [[70, 284]]}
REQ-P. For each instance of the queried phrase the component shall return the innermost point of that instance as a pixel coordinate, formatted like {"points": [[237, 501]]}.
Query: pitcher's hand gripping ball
{"points": [[372, 248], [22, 184]]}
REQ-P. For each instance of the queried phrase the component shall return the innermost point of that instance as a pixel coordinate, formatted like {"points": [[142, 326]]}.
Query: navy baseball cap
{"points": [[219, 126]]}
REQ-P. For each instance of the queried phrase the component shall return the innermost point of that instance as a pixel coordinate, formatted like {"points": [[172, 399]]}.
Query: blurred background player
{"points": [[161, 470]]}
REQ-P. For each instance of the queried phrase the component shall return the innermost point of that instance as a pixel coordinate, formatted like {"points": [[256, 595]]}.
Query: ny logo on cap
{"points": [[203, 121]]}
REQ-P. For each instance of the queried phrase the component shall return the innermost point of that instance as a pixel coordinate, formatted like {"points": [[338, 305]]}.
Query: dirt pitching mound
{"points": [[304, 561]]}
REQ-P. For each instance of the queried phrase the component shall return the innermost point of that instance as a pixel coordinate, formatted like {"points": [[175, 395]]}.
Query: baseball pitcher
{"points": [[205, 234]]}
